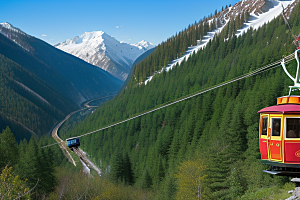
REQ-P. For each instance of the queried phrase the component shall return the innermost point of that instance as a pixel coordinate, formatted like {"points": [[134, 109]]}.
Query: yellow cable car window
{"points": [[276, 126], [264, 126], [292, 127]]}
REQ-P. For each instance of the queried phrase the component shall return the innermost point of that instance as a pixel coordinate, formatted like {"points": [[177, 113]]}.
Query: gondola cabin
{"points": [[73, 142], [279, 135]]}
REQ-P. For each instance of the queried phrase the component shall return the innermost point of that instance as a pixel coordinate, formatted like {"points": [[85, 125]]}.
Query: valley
{"points": [[180, 122]]}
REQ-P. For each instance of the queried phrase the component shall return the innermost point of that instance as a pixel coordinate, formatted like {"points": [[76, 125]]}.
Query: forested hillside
{"points": [[40, 84], [208, 144], [28, 105], [177, 45], [70, 76], [26, 169]]}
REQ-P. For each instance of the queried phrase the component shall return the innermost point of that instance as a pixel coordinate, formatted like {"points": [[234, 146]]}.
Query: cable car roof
{"points": [[282, 108]]}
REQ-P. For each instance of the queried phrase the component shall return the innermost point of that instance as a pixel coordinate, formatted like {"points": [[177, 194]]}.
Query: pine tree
{"points": [[116, 167], [218, 169], [30, 163], [121, 170], [146, 180], [9, 148], [48, 178], [128, 172], [236, 136], [236, 181]]}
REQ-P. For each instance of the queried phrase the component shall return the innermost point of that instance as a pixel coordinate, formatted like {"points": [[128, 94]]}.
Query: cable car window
{"points": [[276, 126], [292, 128], [264, 126]]}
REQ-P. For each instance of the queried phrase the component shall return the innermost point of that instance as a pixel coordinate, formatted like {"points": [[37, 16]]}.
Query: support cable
{"points": [[265, 68]]}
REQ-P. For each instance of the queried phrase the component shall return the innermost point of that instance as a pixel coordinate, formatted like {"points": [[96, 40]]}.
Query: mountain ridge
{"points": [[102, 50], [249, 14], [68, 74], [41, 84]]}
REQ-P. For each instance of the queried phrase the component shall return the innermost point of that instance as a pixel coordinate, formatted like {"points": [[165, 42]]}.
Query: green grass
{"points": [[273, 192]]}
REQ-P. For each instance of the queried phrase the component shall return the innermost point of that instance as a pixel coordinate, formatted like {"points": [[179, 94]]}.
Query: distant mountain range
{"points": [[40, 84], [104, 51], [72, 77]]}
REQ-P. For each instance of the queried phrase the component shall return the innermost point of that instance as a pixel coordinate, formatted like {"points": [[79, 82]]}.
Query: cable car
{"points": [[279, 132], [279, 135], [73, 142]]}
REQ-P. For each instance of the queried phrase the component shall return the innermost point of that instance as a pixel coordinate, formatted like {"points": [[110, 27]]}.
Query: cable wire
{"points": [[265, 68]]}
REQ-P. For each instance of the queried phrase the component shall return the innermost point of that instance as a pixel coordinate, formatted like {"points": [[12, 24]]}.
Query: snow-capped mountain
{"points": [[104, 51], [69, 76]]}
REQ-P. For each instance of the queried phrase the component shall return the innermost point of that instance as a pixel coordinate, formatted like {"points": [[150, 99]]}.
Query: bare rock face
{"points": [[296, 191], [252, 6], [255, 7], [289, 9]]}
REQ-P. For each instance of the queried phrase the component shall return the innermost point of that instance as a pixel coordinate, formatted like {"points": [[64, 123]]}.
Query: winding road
{"points": [[62, 144]]}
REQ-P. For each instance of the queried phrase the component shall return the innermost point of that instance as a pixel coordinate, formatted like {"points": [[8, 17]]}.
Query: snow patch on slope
{"points": [[258, 18], [256, 21], [11, 27], [12, 33]]}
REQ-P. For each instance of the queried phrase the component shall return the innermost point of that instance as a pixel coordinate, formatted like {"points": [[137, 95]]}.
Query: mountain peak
{"points": [[92, 35], [10, 27], [6, 25], [104, 51], [96, 36], [14, 34], [143, 44]]}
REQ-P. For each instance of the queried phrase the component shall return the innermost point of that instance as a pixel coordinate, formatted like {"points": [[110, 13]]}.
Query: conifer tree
{"points": [[236, 136], [218, 169], [9, 148], [35, 167], [128, 172], [146, 180], [168, 191], [236, 182], [48, 179]]}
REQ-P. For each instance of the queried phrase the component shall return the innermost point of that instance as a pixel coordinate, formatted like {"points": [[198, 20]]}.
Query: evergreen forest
{"points": [[204, 147], [31, 172], [27, 104]]}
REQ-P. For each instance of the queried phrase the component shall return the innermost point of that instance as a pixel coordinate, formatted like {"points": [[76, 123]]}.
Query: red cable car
{"points": [[279, 132], [279, 135]]}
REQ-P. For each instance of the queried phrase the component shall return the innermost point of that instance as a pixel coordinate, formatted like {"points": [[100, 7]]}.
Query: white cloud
{"points": [[117, 26], [44, 35]]}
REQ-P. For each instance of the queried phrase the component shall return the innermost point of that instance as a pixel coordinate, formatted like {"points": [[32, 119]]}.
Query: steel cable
{"points": [[249, 74]]}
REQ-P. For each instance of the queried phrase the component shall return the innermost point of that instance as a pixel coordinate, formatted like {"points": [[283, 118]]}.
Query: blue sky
{"points": [[130, 21]]}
